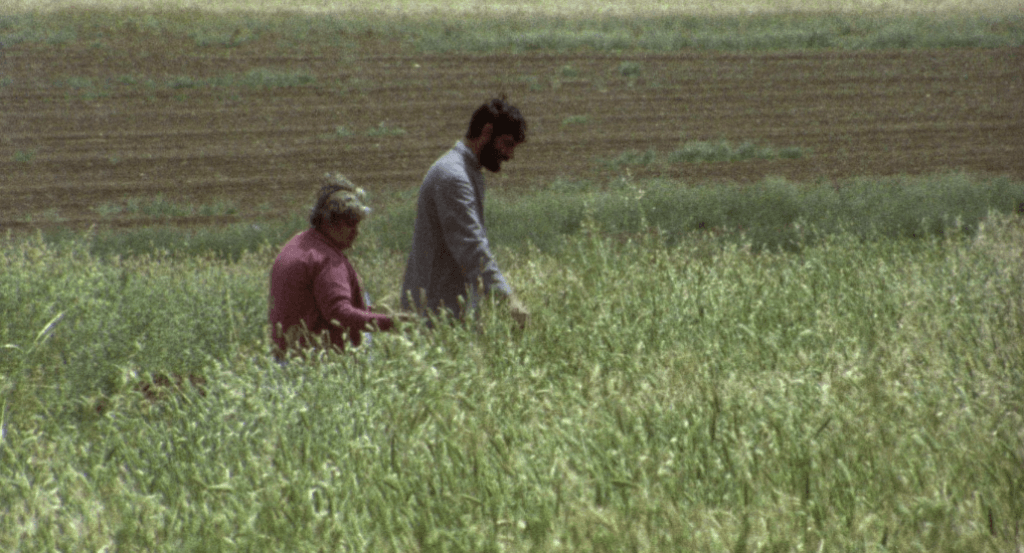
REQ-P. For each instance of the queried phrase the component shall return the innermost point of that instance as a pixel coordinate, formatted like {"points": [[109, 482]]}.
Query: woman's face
{"points": [[343, 232]]}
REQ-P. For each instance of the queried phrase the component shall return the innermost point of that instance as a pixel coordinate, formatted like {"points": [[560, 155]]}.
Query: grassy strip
{"points": [[860, 396], [703, 152], [773, 214], [482, 33]]}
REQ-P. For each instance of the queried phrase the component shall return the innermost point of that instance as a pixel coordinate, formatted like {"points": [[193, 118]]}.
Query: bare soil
{"points": [[84, 127]]}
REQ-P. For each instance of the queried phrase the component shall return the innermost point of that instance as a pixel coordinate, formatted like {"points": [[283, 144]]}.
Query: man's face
{"points": [[498, 150]]}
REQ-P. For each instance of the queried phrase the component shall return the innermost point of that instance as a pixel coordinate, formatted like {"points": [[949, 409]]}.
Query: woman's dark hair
{"points": [[505, 118]]}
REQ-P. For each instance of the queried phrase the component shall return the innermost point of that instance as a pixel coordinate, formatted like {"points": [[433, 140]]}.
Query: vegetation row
{"points": [[481, 33]]}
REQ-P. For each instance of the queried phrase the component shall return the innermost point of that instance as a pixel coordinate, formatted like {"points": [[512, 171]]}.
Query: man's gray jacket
{"points": [[450, 254]]}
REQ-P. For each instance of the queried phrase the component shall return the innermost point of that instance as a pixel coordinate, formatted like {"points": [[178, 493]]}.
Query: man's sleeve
{"points": [[465, 236]]}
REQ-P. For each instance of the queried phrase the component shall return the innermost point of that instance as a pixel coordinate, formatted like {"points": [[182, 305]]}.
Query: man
{"points": [[316, 298], [451, 265]]}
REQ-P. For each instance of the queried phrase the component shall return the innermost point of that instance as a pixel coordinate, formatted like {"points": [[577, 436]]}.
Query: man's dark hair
{"points": [[505, 118]]}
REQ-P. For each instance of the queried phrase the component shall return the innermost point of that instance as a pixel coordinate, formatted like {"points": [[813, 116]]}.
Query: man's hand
{"points": [[520, 314]]}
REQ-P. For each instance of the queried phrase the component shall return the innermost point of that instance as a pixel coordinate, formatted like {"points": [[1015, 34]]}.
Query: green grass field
{"points": [[830, 366], [675, 391]]}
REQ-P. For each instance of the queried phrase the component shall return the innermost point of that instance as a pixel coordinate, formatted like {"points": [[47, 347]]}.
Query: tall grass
{"points": [[857, 396]]}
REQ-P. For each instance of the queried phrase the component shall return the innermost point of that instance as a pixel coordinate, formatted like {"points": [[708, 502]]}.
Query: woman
{"points": [[316, 298]]}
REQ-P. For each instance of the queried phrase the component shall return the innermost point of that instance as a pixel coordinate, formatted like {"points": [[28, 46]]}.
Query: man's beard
{"points": [[490, 158]]}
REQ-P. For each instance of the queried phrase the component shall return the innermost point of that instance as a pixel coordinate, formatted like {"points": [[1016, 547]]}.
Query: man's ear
{"points": [[485, 133]]}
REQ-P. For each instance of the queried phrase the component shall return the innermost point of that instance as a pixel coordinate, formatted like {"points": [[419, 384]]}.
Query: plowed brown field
{"points": [[88, 125]]}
